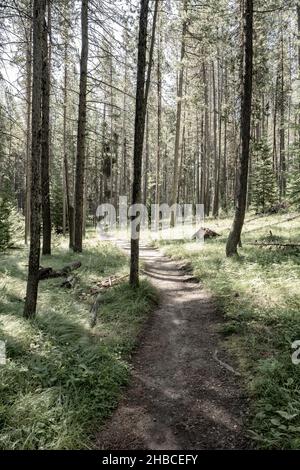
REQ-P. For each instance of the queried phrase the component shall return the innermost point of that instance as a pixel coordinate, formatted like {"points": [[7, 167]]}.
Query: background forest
{"points": [[197, 61]]}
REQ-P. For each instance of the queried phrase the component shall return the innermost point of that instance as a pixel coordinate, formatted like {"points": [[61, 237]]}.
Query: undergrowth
{"points": [[62, 378]]}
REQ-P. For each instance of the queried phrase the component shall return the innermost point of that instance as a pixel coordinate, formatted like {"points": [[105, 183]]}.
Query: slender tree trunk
{"points": [[146, 161], [84, 210], [150, 59], [198, 196], [39, 8], [28, 120], [224, 173], [216, 146], [139, 129], [112, 138], [147, 89], [68, 209], [123, 180], [81, 137], [65, 158], [203, 162], [224, 183], [220, 103], [207, 145], [45, 161], [298, 35], [174, 193], [282, 164], [275, 166], [158, 152], [235, 234]]}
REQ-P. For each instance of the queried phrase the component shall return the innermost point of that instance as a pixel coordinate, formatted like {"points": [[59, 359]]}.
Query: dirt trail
{"points": [[179, 396]]}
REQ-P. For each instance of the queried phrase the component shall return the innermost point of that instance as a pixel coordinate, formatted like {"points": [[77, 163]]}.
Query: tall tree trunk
{"points": [[238, 222], [112, 138], [198, 153], [216, 148], [158, 151], [45, 162], [139, 129], [275, 166], [68, 208], [147, 89], [123, 180], [224, 182], [298, 34], [81, 137], [298, 37], [174, 192], [220, 104], [39, 8], [282, 162], [146, 161], [207, 145], [28, 119], [203, 162], [65, 161]]}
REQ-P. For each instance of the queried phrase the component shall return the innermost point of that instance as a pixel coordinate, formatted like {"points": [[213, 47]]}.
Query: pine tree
{"points": [[5, 232], [294, 179], [264, 182]]}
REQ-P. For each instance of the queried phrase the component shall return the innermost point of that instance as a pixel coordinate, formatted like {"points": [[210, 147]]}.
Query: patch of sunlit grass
{"points": [[62, 379]]}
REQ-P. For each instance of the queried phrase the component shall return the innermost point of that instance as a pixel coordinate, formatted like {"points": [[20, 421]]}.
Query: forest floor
{"points": [[179, 396], [62, 378]]}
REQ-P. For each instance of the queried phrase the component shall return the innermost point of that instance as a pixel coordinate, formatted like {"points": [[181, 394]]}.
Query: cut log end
{"points": [[207, 233]]}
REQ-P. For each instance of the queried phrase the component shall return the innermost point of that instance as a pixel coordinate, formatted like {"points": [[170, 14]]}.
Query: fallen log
{"points": [[290, 245], [50, 273], [207, 233]]}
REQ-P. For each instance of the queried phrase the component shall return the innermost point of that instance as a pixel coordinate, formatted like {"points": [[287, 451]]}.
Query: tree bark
{"points": [[207, 144], [174, 194], [123, 180], [246, 105], [282, 162], [159, 108], [298, 34], [216, 146], [147, 89], [139, 129], [28, 120], [39, 7], [81, 137], [146, 161], [45, 162]]}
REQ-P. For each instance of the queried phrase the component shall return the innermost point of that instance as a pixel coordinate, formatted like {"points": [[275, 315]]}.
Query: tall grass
{"points": [[62, 379]]}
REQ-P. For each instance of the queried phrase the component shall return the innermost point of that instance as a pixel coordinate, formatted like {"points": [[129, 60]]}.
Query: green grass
{"points": [[62, 378], [259, 295]]}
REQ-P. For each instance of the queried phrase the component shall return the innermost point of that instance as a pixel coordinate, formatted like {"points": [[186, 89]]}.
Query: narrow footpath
{"points": [[179, 396]]}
